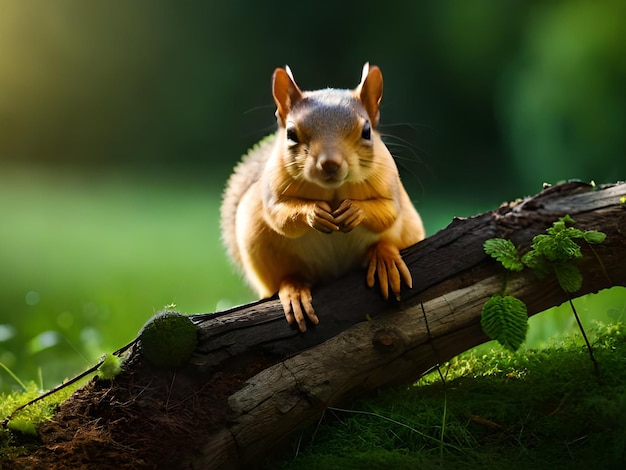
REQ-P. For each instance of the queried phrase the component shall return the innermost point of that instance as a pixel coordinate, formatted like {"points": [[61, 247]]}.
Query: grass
{"points": [[542, 408], [21, 430]]}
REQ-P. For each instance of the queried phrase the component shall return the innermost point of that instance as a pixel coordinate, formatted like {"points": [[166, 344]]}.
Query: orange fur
{"points": [[319, 198]]}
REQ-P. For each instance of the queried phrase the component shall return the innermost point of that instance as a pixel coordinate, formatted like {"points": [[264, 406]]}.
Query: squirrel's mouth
{"points": [[325, 172], [332, 178], [332, 181]]}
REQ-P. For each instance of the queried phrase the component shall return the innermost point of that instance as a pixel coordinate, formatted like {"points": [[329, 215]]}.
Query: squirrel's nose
{"points": [[329, 164]]}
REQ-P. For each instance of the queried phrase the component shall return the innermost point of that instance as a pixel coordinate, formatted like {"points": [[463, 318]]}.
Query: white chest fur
{"points": [[321, 256]]}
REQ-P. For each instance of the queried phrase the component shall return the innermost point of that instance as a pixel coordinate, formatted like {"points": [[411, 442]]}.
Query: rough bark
{"points": [[254, 381]]}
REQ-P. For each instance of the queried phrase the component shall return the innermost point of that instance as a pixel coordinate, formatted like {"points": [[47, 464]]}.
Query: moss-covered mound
{"points": [[168, 339]]}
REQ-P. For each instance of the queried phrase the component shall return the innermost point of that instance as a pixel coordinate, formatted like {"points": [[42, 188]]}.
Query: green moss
{"points": [[541, 408], [23, 425], [168, 339], [110, 367]]}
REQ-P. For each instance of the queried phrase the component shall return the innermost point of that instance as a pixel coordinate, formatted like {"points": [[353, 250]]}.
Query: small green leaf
{"points": [[561, 226], [535, 261], [572, 232], [569, 276], [592, 236], [505, 252], [505, 319], [556, 247]]}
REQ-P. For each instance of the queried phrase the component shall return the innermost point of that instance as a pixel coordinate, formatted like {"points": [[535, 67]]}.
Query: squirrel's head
{"points": [[329, 135]]}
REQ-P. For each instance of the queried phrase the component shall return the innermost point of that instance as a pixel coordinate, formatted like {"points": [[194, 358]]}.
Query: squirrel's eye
{"points": [[366, 133], [292, 135]]}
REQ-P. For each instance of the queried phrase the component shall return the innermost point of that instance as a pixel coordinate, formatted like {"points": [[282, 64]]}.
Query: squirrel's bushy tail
{"points": [[246, 173]]}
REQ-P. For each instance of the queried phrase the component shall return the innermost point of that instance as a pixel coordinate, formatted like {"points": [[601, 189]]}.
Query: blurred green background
{"points": [[120, 122]]}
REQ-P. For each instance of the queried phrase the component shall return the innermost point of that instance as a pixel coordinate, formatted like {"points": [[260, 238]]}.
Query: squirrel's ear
{"points": [[286, 93], [370, 91]]}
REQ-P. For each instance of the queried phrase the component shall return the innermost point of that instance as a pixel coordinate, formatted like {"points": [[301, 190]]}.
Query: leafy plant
{"points": [[504, 251], [504, 317]]}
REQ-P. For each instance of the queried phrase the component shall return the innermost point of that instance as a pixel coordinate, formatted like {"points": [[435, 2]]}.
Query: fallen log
{"points": [[253, 381]]}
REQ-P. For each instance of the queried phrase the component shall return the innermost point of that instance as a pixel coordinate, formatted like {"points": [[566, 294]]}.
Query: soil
{"points": [[145, 418]]}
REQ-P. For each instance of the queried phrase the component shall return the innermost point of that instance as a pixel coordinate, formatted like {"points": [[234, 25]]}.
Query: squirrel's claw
{"points": [[385, 263], [295, 297]]}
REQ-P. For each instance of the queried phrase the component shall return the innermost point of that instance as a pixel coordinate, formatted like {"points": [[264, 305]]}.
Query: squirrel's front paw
{"points": [[295, 296], [321, 218], [348, 215], [383, 259]]}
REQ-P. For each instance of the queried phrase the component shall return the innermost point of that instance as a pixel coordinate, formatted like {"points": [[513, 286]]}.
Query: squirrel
{"points": [[319, 197]]}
